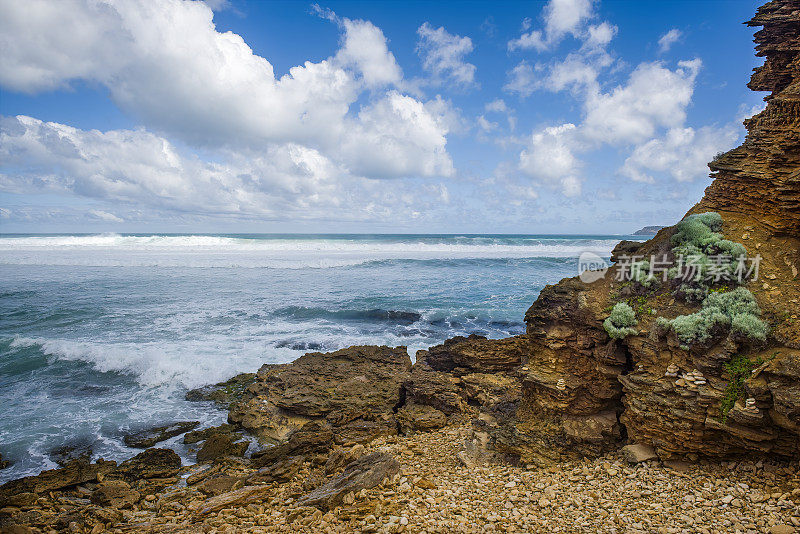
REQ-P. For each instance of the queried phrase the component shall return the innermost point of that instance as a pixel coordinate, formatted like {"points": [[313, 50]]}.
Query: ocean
{"points": [[103, 334]]}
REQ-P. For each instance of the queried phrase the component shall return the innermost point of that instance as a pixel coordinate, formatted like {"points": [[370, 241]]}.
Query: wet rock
{"points": [[366, 472], [196, 436], [116, 494], [221, 445], [151, 463], [224, 393], [4, 463], [148, 438], [75, 449]]}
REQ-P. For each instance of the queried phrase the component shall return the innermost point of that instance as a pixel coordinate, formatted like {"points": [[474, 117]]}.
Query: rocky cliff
{"points": [[577, 390]]}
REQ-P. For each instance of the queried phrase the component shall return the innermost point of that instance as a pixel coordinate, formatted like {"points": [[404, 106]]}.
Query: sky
{"points": [[567, 116]]}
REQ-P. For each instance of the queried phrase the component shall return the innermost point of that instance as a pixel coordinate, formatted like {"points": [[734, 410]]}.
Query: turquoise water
{"points": [[100, 334]]}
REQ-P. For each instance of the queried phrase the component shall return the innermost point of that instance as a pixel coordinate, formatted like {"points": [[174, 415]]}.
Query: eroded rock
{"points": [[366, 472]]}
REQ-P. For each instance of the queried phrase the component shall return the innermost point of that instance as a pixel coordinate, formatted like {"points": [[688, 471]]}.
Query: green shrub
{"points": [[621, 321], [737, 310], [696, 238], [700, 327], [748, 326]]}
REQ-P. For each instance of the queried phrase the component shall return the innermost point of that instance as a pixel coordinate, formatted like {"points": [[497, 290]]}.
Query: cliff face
{"points": [[761, 177], [576, 391]]}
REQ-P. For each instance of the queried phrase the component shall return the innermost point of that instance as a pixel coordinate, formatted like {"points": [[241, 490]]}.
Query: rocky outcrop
{"points": [[152, 463], [353, 391], [151, 436], [566, 387], [76, 472], [761, 177]]}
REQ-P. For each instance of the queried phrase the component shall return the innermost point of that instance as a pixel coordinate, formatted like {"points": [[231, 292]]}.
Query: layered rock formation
{"points": [[577, 391]]}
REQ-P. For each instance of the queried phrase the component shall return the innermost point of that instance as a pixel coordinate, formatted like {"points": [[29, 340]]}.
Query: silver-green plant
{"points": [[621, 321], [736, 311]]}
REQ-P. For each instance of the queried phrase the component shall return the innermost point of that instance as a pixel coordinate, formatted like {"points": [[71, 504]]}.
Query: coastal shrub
{"points": [[736, 310], [698, 241], [621, 321], [748, 326], [640, 273], [700, 327]]}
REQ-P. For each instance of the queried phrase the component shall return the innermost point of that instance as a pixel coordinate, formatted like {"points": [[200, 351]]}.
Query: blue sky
{"points": [[568, 116]]}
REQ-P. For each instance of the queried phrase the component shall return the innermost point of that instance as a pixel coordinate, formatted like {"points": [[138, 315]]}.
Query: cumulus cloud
{"points": [[561, 17], [521, 80], [549, 157], [682, 153], [654, 96], [668, 39], [646, 114], [443, 53], [166, 64], [136, 168]]}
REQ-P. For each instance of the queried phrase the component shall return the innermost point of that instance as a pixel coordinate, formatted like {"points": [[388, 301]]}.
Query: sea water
{"points": [[104, 334]]}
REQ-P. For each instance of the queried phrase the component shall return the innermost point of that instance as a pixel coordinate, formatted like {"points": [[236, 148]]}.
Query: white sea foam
{"points": [[216, 251]]}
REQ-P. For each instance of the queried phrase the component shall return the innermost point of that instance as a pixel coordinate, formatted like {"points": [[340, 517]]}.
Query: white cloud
{"points": [[136, 168], [561, 17], [682, 153], [646, 114], [549, 157], [443, 55], [485, 124], [654, 96], [105, 216], [139, 167], [600, 35], [166, 64], [365, 49], [668, 39], [497, 105], [521, 80]]}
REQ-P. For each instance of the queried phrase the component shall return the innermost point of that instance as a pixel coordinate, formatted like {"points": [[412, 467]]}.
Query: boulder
{"points": [[116, 494], [148, 438], [219, 485], [476, 354], [221, 445], [151, 463], [312, 438], [433, 388], [4, 463], [638, 453], [355, 390], [364, 473], [420, 417], [281, 471]]}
